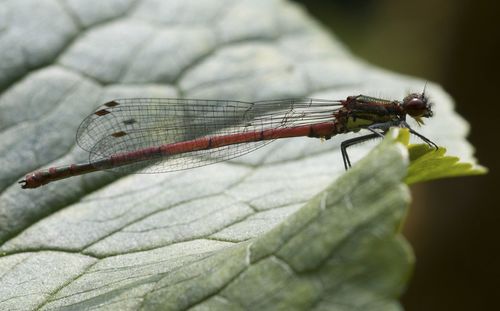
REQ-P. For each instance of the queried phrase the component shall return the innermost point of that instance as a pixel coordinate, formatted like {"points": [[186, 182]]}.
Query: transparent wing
{"points": [[127, 125]]}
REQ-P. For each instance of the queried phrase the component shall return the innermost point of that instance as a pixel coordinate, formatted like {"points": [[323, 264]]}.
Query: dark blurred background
{"points": [[453, 224]]}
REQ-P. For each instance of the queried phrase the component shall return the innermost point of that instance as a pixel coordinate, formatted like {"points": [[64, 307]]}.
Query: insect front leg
{"points": [[422, 137]]}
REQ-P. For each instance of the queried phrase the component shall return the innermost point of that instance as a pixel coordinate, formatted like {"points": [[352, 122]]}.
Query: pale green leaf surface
{"points": [[216, 236], [428, 164]]}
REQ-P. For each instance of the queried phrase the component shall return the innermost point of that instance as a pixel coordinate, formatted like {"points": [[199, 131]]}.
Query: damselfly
{"points": [[161, 135]]}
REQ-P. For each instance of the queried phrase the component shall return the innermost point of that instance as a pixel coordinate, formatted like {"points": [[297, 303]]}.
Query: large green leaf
{"points": [[218, 236]]}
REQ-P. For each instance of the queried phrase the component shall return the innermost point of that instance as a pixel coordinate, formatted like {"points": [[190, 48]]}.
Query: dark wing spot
{"points": [[111, 104], [119, 134], [101, 112], [129, 121]]}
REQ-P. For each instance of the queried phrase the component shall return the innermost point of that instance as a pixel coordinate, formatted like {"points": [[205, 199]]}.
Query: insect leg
{"points": [[353, 141], [422, 137]]}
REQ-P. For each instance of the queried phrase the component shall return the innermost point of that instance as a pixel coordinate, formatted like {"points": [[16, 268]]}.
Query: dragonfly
{"points": [[155, 135]]}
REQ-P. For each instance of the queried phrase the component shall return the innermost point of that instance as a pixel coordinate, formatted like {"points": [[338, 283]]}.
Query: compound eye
{"points": [[416, 105]]}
